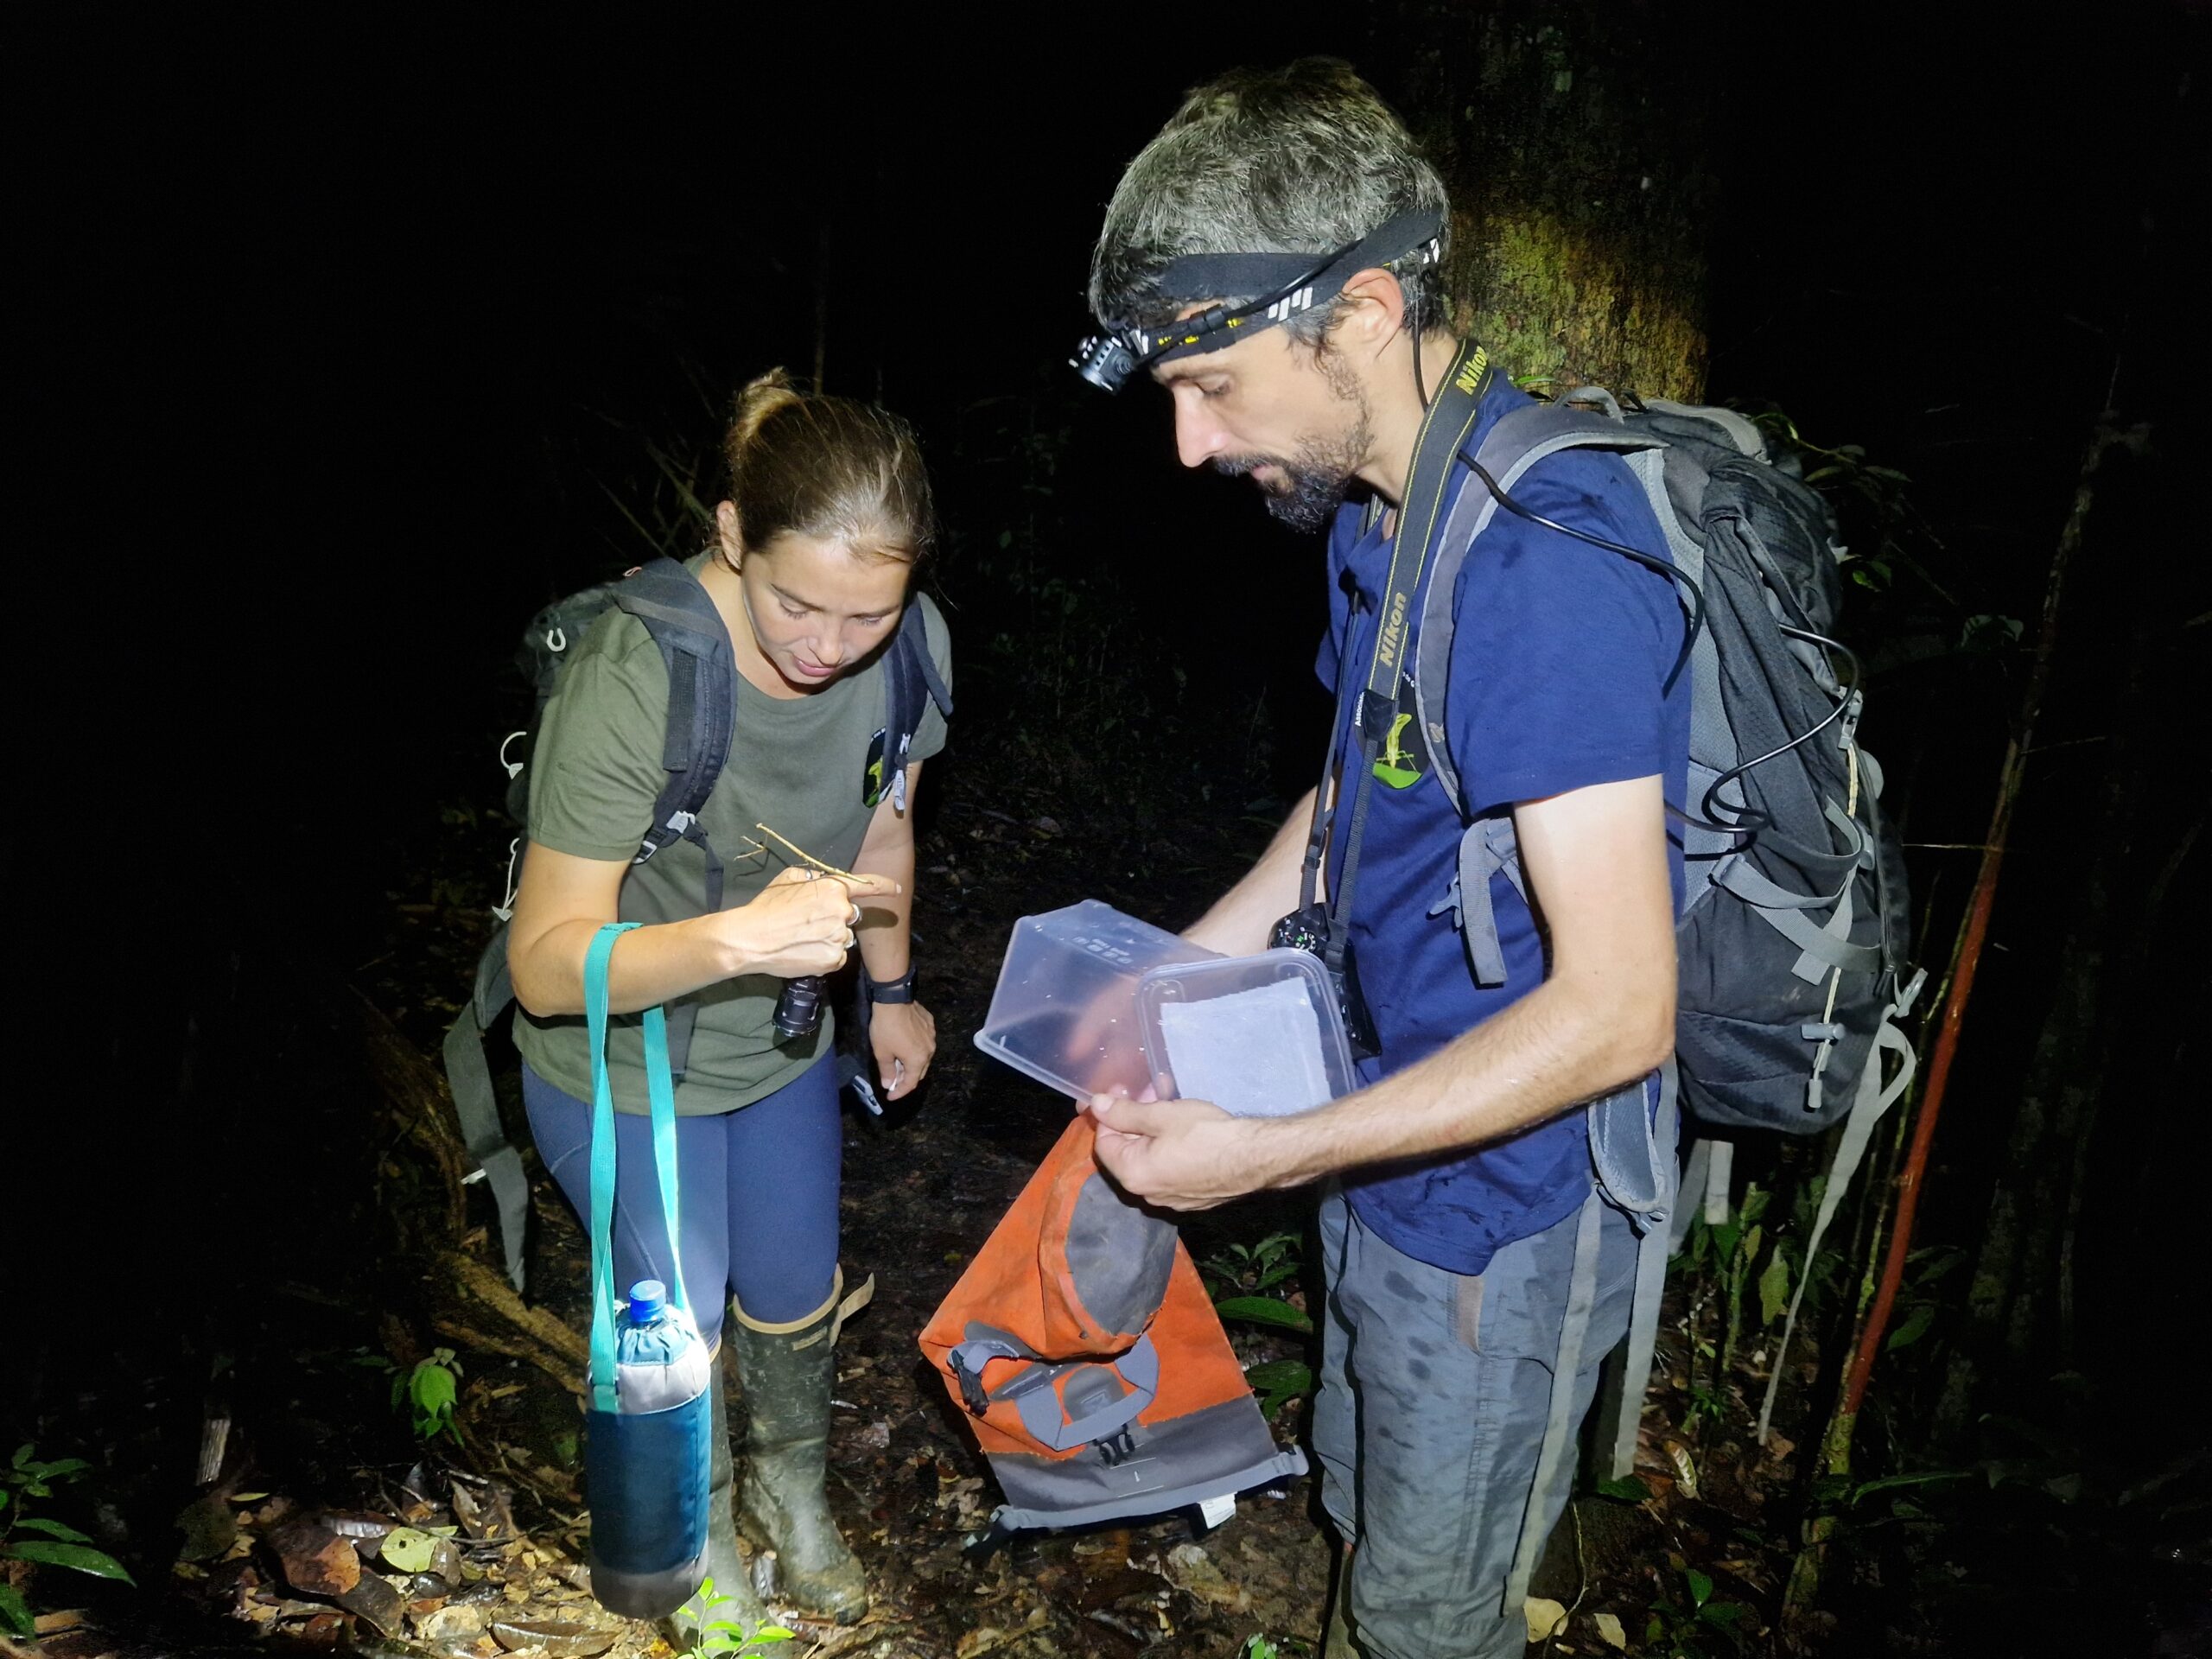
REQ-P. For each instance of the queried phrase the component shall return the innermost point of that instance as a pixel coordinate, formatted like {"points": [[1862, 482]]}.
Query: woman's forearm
{"points": [[649, 966], [885, 929], [885, 932]]}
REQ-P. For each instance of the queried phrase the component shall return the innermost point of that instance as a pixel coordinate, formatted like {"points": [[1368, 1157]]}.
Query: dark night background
{"points": [[344, 317]]}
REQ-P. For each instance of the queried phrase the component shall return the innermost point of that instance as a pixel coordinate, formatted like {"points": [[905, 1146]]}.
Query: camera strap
{"points": [[1444, 432]]}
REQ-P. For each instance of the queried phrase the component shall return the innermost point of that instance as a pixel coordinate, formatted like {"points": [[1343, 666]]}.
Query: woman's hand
{"points": [[800, 923], [904, 1036]]}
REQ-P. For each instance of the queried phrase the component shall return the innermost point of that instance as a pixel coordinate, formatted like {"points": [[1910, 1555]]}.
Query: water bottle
{"points": [[648, 1461], [658, 1358]]}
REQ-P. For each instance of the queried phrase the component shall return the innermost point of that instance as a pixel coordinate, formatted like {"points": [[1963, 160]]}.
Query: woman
{"points": [[809, 568]]}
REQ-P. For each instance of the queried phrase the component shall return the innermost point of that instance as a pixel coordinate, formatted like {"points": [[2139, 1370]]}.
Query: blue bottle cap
{"points": [[647, 1298]]}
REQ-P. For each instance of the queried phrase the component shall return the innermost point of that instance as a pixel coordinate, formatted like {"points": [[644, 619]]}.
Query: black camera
{"points": [[1307, 929]]}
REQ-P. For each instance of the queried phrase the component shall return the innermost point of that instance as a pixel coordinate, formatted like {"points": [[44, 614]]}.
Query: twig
{"points": [[827, 869]]}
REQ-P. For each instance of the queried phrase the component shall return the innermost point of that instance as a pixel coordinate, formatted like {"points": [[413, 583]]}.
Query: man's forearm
{"points": [[1239, 924], [1558, 1047]]}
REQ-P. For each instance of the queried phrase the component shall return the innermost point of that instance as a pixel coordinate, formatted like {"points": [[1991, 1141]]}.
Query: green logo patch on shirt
{"points": [[1404, 759], [873, 782]]}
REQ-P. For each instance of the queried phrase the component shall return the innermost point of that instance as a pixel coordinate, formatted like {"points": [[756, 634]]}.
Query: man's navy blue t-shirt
{"points": [[1557, 681]]}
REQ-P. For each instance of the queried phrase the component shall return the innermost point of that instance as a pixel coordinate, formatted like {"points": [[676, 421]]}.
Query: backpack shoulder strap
{"points": [[1521, 438], [702, 693], [910, 683]]}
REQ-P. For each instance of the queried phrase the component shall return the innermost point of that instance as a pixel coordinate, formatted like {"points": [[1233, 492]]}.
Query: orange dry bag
{"points": [[1092, 1366]]}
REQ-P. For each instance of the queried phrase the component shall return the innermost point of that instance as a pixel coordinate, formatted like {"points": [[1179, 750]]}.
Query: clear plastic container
{"points": [[1064, 1011], [1259, 1036]]}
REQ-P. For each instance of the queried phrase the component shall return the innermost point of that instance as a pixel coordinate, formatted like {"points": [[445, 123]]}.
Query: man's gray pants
{"points": [[1434, 1390]]}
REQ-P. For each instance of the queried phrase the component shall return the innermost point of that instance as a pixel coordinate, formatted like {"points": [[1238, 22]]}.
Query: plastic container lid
{"points": [[648, 1297], [1064, 1011], [1259, 1036]]}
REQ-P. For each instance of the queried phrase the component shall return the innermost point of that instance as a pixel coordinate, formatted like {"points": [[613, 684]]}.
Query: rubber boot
{"points": [[787, 1371], [728, 1573]]}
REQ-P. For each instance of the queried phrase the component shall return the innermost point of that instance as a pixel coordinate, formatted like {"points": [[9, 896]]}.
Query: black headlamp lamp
{"points": [[1287, 284]]}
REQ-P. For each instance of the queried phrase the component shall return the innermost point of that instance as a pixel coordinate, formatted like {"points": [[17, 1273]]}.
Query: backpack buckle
{"points": [[971, 1386]]}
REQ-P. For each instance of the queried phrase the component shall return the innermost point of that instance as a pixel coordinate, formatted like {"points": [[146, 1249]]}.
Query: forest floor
{"points": [[331, 1524]]}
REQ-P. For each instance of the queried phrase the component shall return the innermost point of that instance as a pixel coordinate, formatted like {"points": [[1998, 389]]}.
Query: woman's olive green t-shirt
{"points": [[797, 765]]}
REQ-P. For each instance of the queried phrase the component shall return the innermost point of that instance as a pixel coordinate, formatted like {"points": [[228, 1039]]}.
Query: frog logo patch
{"points": [[874, 782], [1404, 759]]}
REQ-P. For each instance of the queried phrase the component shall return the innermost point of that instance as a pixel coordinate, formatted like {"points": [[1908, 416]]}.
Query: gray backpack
{"points": [[1792, 932]]}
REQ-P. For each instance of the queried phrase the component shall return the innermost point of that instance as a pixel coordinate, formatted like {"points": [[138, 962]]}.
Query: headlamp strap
{"points": [[1288, 284], [1444, 432]]}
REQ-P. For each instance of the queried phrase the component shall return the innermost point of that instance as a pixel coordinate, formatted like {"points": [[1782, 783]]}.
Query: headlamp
{"points": [[1287, 284]]}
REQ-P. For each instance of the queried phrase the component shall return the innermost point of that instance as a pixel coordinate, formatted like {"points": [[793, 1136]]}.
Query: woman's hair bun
{"points": [[762, 396], [835, 470]]}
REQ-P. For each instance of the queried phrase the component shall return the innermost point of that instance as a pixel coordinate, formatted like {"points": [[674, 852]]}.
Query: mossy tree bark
{"points": [[1573, 145]]}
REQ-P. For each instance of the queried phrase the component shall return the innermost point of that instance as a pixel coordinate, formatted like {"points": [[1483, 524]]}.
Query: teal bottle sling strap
{"points": [[660, 1093]]}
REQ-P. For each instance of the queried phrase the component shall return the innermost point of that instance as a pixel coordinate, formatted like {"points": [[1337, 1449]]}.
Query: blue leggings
{"points": [[758, 1195]]}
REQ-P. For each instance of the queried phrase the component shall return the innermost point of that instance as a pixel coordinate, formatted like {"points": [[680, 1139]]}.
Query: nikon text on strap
{"points": [[1444, 430]]}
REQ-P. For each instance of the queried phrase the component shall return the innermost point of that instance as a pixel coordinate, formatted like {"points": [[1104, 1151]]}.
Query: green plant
{"points": [[55, 1545], [1723, 1256], [1244, 1277], [727, 1635], [428, 1390], [1924, 1270], [1684, 1632], [1258, 1647]]}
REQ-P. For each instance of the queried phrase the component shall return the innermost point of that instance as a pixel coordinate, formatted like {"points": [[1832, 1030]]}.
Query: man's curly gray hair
{"points": [[1302, 159]]}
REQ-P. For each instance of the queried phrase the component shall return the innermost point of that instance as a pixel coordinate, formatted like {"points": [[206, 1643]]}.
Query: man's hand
{"points": [[1179, 1154], [904, 1037]]}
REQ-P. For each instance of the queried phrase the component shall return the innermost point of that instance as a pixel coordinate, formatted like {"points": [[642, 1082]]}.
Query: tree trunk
{"points": [[2014, 1302], [1573, 149]]}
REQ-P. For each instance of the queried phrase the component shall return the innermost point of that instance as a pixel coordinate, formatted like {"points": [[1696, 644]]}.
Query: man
{"points": [[1457, 1181]]}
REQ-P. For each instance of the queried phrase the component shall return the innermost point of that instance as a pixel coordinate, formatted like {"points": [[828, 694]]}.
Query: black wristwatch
{"points": [[900, 989]]}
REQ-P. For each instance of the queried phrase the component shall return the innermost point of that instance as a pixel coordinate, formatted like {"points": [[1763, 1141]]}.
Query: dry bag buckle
{"points": [[971, 1386]]}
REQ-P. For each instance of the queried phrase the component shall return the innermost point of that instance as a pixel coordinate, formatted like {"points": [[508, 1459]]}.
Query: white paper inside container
{"points": [[1255, 1053]]}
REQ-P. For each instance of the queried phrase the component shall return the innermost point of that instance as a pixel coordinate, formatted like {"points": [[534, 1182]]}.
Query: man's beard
{"points": [[1312, 482]]}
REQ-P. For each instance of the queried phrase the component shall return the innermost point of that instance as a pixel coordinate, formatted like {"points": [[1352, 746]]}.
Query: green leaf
{"points": [[1914, 1327], [1723, 1239], [1701, 1585], [1774, 1287], [408, 1550], [1756, 1199], [61, 1469], [15, 1612], [434, 1389], [52, 1529], [1281, 1376], [1264, 1309], [98, 1563], [1629, 1489], [1723, 1613], [1752, 1240], [1925, 1477], [22, 1454]]}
